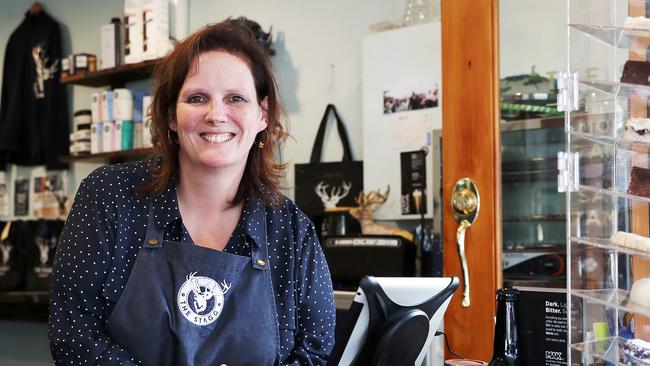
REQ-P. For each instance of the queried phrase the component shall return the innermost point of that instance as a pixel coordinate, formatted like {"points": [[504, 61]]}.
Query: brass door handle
{"points": [[465, 204]]}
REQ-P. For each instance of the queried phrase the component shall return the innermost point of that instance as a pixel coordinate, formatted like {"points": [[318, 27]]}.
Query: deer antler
{"points": [[372, 197], [321, 191], [224, 287], [340, 192]]}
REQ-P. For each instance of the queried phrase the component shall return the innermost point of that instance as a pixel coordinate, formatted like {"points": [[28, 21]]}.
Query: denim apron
{"points": [[190, 305]]}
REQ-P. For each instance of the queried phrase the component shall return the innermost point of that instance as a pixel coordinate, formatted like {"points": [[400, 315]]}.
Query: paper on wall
{"points": [[410, 131]]}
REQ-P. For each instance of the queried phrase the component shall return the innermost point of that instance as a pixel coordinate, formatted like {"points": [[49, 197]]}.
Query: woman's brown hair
{"points": [[262, 174]]}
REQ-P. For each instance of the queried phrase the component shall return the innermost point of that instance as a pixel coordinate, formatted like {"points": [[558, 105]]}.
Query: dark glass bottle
{"points": [[506, 344]]}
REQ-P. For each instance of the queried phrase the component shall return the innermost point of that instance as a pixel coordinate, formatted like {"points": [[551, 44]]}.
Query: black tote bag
{"points": [[319, 185]]}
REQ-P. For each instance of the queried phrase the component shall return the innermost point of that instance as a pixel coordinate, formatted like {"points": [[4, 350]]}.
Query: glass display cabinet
{"points": [[534, 220], [606, 175]]}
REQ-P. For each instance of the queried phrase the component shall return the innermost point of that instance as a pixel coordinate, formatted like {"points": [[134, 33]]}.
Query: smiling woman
{"points": [[195, 248], [217, 115]]}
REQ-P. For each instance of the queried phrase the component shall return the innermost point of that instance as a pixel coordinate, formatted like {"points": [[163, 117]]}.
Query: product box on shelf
{"points": [[133, 32], [122, 104], [78, 64], [123, 135], [155, 32], [108, 136], [106, 106], [96, 139], [112, 38], [95, 107]]}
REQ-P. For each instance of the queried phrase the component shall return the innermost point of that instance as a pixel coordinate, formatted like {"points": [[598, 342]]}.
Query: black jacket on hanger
{"points": [[33, 105]]}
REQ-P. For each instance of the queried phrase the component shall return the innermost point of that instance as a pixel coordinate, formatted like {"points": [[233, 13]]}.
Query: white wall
{"points": [[532, 32]]}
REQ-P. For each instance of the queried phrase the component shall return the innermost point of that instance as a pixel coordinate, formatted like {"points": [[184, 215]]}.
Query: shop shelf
{"points": [[606, 244], [618, 37], [117, 76], [111, 157], [613, 298]]}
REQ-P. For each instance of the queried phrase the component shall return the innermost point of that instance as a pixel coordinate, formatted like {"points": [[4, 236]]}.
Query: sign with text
{"points": [[542, 323]]}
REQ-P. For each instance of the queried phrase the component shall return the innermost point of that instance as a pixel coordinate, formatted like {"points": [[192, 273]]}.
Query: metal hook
{"points": [[331, 88]]}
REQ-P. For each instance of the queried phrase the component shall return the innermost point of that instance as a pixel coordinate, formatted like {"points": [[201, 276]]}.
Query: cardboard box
{"points": [[133, 31]]}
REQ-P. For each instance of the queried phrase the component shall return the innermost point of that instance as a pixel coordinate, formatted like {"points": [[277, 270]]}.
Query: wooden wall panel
{"points": [[471, 148]]}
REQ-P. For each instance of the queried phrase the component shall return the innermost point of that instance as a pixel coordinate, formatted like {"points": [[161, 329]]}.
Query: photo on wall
{"points": [[411, 96]]}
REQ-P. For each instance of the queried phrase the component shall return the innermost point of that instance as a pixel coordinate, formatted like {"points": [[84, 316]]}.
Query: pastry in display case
{"points": [[606, 175]]}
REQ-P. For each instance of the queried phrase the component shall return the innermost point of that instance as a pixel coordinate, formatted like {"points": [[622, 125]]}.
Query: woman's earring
{"points": [[263, 141], [172, 137]]}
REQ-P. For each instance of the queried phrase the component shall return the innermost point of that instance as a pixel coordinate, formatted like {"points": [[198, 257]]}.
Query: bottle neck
{"points": [[505, 335]]}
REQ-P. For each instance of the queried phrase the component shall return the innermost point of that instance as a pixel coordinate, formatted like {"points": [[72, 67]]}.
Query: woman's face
{"points": [[217, 113]]}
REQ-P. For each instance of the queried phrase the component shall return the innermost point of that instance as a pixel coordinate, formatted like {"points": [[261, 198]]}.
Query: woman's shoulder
{"points": [[288, 212], [117, 177]]}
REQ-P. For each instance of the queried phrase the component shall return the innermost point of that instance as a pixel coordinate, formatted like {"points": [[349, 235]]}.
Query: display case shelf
{"points": [[615, 88], [110, 157], [535, 218], [117, 76], [532, 124], [608, 350], [608, 245], [618, 37], [612, 298], [612, 193]]}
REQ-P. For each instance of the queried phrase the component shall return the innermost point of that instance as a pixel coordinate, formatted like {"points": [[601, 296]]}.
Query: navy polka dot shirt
{"points": [[100, 242]]}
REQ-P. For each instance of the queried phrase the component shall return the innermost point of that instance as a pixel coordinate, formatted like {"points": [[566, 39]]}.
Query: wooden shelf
{"points": [[110, 157], [117, 76]]}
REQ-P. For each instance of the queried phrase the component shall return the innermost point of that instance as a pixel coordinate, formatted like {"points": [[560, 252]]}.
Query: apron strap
{"points": [[260, 251], [154, 236]]}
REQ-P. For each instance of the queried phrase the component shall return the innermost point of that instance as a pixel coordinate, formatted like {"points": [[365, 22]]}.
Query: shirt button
{"points": [[261, 262], [153, 241]]}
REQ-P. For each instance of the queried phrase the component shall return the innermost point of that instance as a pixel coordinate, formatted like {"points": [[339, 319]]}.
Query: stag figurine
{"points": [[367, 204]]}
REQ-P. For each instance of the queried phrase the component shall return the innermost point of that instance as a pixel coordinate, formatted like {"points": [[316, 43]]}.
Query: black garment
{"points": [[33, 106]]}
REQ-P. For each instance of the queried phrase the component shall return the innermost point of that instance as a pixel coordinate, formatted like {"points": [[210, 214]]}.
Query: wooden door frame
{"points": [[471, 148]]}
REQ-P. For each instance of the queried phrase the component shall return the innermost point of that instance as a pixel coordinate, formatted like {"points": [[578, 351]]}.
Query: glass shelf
{"points": [[614, 193], [613, 36], [608, 349], [608, 245], [616, 88], [613, 298], [550, 218]]}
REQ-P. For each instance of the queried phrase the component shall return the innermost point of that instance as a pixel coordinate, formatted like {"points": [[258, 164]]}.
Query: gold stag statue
{"points": [[367, 204]]}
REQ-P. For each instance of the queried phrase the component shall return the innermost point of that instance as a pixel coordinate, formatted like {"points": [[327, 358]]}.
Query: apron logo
{"points": [[200, 299]]}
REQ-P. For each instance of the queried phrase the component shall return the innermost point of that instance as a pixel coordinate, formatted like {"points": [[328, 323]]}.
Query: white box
{"points": [[137, 134], [117, 141], [110, 55], [95, 108], [146, 128], [106, 106], [122, 104], [108, 136], [96, 140], [133, 31], [155, 30]]}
